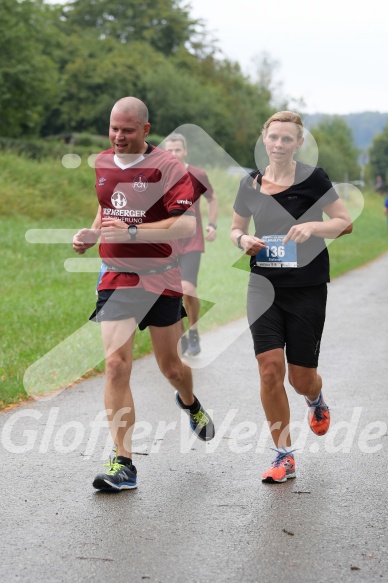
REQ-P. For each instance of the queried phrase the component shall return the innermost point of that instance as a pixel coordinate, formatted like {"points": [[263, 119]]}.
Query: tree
{"points": [[337, 154], [28, 75], [63, 66], [378, 156], [164, 24]]}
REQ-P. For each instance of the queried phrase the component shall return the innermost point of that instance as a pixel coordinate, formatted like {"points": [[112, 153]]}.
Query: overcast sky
{"points": [[331, 53]]}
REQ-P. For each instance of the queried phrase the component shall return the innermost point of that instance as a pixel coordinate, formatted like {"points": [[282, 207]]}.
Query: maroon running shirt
{"points": [[201, 185], [153, 188]]}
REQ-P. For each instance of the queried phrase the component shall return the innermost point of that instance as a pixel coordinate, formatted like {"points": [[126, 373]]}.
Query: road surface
{"points": [[201, 512]]}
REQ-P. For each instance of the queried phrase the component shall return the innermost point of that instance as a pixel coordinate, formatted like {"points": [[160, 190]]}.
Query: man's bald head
{"points": [[129, 126], [132, 106]]}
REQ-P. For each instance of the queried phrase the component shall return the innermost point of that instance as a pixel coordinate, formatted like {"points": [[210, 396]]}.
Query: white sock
{"points": [[285, 449], [317, 400]]}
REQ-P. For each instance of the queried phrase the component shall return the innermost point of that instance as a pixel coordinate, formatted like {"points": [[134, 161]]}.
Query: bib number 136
{"points": [[276, 253]]}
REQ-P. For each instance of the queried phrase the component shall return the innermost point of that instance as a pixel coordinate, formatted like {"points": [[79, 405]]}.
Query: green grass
{"points": [[43, 304]]}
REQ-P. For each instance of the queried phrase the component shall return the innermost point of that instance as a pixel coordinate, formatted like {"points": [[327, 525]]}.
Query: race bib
{"points": [[277, 254]]}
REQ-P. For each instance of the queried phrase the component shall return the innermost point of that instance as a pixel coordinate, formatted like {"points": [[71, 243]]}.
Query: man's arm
{"points": [[97, 221], [86, 238], [212, 210], [176, 227]]}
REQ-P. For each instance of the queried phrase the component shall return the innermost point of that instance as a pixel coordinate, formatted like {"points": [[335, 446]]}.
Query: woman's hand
{"points": [[251, 245], [300, 233]]}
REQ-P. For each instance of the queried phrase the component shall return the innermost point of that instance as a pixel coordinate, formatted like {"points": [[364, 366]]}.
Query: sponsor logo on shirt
{"points": [[124, 212], [119, 200], [101, 181], [140, 183], [184, 201]]}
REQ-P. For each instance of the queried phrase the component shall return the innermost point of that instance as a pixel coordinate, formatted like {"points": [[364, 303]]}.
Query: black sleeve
{"points": [[245, 189], [176, 212], [325, 187]]}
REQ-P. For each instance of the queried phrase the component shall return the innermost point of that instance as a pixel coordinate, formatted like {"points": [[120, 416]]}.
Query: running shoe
{"points": [[319, 417], [200, 422], [120, 476], [193, 348], [282, 468]]}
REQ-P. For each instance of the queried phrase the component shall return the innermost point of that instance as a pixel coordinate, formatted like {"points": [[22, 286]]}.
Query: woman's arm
{"points": [[339, 224], [250, 245]]}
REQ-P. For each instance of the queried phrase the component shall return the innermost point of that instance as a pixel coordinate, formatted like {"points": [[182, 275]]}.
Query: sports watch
{"points": [[238, 240], [132, 230]]}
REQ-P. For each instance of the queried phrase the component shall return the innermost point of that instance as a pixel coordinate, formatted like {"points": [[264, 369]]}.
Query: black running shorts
{"points": [[147, 308], [189, 264], [294, 321]]}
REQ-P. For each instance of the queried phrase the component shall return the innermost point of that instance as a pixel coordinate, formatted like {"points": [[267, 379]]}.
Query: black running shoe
{"points": [[120, 476], [200, 422], [193, 348]]}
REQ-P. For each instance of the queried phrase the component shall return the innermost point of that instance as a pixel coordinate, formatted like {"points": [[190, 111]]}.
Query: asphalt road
{"points": [[200, 512]]}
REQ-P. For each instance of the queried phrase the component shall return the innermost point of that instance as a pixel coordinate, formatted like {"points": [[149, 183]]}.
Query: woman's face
{"points": [[281, 141]]}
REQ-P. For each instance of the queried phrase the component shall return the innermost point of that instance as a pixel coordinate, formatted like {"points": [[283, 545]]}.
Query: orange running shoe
{"points": [[282, 468], [319, 417]]}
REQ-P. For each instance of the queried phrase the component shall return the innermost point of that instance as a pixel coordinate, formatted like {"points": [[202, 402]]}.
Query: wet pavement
{"points": [[201, 512]]}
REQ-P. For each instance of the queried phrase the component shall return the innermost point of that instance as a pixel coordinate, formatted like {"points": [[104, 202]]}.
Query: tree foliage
{"points": [[28, 74], [164, 24], [378, 156], [337, 154], [63, 66]]}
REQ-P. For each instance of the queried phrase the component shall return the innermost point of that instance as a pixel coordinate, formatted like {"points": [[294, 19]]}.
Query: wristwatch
{"points": [[132, 230], [238, 240], [212, 225]]}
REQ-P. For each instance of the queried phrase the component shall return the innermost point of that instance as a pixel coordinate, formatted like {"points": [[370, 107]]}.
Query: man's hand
{"points": [[85, 239], [114, 231], [211, 233]]}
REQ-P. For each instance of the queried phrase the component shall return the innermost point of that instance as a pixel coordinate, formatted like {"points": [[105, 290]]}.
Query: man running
{"points": [[190, 248], [145, 199]]}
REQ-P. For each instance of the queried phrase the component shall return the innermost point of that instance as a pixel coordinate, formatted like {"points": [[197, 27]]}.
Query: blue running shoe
{"points": [[200, 421], [120, 476]]}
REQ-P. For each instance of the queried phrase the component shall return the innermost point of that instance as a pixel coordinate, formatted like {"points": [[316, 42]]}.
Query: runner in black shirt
{"points": [[289, 275]]}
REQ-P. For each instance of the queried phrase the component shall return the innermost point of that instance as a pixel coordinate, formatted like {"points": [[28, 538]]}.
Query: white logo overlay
{"points": [[140, 183], [79, 352], [33, 430], [119, 200]]}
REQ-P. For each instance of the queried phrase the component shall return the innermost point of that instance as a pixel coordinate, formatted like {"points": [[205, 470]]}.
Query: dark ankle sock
{"points": [[194, 408], [126, 461]]}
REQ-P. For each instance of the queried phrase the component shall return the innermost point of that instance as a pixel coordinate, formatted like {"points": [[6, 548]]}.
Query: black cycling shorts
{"points": [[147, 308], [189, 264], [294, 321]]}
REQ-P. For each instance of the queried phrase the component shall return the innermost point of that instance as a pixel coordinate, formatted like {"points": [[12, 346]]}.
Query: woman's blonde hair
{"points": [[285, 116]]}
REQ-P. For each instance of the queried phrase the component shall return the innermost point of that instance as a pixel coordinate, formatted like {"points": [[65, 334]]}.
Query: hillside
{"points": [[364, 125]]}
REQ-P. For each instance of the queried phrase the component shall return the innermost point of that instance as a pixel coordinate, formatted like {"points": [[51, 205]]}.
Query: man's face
{"points": [[177, 149], [127, 133]]}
